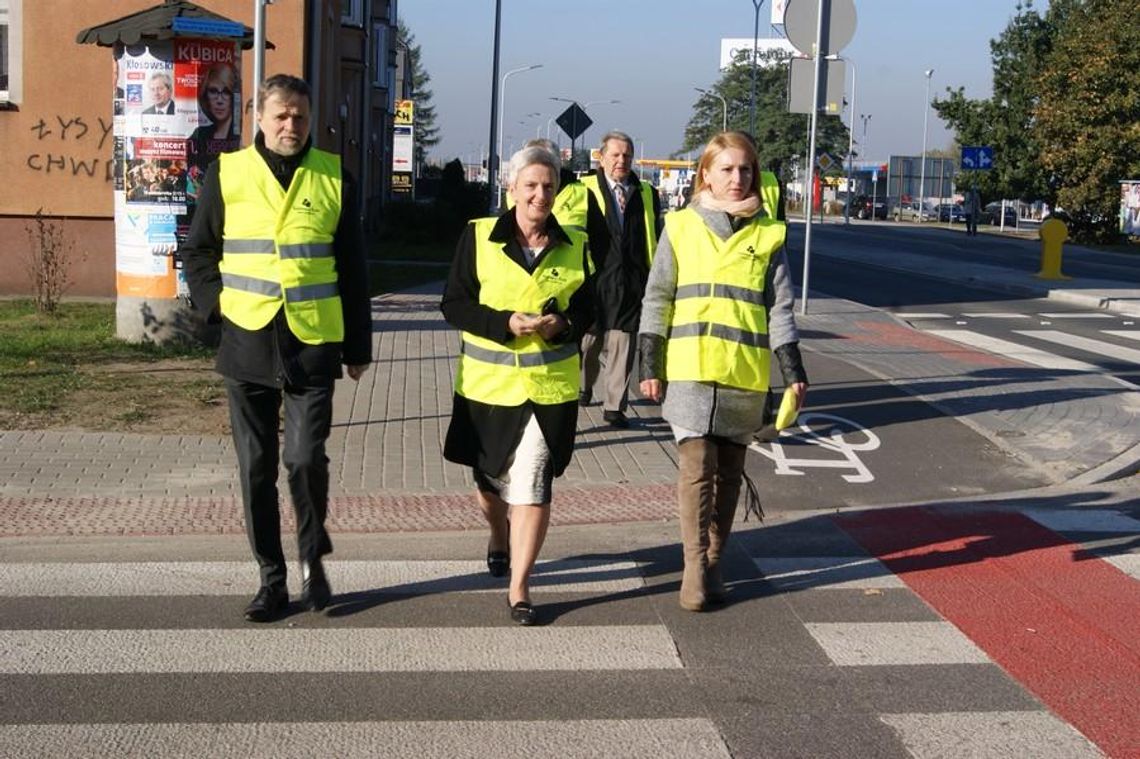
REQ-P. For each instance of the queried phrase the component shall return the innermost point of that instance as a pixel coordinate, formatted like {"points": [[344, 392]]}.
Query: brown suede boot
{"points": [[695, 496], [729, 475]]}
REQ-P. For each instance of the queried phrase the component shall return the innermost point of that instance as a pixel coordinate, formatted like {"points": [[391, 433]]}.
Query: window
{"points": [[352, 13], [380, 57], [3, 49], [10, 51]]}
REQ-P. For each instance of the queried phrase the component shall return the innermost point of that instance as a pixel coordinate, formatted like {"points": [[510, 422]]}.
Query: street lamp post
{"points": [[258, 49], [755, 44], [865, 117], [502, 99], [723, 105], [587, 105], [922, 171], [850, 137]]}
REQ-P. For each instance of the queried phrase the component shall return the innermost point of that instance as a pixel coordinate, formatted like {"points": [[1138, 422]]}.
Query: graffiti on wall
{"points": [[65, 145]]}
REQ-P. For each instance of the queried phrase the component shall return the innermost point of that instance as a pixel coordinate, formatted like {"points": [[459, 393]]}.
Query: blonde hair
{"points": [[720, 143]]}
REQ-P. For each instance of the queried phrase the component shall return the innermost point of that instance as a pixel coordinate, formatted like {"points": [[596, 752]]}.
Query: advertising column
{"points": [[177, 106]]}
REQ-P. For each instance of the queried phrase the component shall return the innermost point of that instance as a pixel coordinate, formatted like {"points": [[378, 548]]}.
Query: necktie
{"points": [[619, 196]]}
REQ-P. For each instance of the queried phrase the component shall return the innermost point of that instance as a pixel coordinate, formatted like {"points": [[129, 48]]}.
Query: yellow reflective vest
{"points": [[719, 328], [527, 368], [277, 245], [591, 182]]}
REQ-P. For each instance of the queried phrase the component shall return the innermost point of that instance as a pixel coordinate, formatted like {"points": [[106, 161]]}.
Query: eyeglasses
{"points": [[214, 92]]}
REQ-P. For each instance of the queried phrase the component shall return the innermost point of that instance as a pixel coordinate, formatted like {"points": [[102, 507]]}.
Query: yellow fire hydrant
{"points": [[1053, 234]]}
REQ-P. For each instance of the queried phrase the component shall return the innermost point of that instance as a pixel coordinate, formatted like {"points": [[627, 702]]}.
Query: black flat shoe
{"points": [[268, 604], [523, 613], [498, 563]]}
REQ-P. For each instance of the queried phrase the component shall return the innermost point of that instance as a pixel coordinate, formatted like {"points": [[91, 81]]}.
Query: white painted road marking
{"points": [[860, 644], [647, 738], [1016, 351], [1099, 347], [234, 578], [399, 649]]}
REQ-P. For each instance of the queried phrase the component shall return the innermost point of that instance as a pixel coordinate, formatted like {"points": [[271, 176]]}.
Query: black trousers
{"points": [[254, 417]]}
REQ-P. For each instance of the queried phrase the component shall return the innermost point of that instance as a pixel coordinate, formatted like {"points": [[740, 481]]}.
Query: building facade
{"points": [[57, 100]]}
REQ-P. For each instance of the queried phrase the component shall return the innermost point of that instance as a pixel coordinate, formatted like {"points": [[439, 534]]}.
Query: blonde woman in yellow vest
{"points": [[718, 304], [519, 291]]}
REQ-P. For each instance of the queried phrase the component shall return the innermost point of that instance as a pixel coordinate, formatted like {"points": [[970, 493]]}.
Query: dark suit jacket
{"points": [[623, 267]]}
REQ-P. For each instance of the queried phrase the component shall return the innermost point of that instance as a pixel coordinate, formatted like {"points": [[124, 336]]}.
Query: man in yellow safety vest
{"points": [[275, 253]]}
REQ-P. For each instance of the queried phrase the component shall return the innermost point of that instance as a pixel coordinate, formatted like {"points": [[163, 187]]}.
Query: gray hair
{"points": [[290, 85], [542, 142], [529, 156], [614, 134]]}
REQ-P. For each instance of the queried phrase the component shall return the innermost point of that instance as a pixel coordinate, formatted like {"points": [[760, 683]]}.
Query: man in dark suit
{"points": [[161, 92], [633, 212]]}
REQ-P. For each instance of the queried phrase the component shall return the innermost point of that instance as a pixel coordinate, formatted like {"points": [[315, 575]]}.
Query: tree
{"points": [[1005, 120], [425, 131], [1087, 119], [781, 137], [1064, 119]]}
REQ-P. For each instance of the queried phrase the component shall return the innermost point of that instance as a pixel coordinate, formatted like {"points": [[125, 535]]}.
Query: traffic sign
{"points": [[573, 121], [980, 157], [801, 85], [801, 21], [824, 161]]}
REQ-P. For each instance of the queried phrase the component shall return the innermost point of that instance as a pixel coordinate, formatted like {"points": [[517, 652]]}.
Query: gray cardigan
{"points": [[707, 408]]}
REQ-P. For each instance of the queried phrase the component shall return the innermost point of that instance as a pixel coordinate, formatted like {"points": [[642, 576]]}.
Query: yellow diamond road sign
{"points": [[824, 161]]}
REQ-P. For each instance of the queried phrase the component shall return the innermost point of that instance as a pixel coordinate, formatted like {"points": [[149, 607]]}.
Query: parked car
{"points": [[913, 211], [952, 213], [864, 208], [992, 213]]}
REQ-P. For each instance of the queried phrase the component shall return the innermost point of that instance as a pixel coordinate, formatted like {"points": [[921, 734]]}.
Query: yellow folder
{"points": [[786, 416]]}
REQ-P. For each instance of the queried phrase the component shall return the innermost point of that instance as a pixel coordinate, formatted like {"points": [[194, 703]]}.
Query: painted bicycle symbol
{"points": [[831, 434]]}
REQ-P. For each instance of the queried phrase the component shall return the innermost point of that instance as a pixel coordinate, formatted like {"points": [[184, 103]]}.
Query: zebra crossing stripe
{"points": [[574, 739], [1016, 351], [923, 315], [1099, 347], [855, 644], [996, 315], [1128, 334], [1062, 623], [240, 578], [990, 734], [403, 649], [831, 572], [1085, 315]]}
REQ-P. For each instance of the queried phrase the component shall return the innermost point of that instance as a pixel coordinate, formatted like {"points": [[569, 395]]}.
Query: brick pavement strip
{"points": [[188, 515]]}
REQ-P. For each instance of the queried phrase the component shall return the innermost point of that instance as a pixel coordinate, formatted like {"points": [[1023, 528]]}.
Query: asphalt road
{"points": [[862, 442]]}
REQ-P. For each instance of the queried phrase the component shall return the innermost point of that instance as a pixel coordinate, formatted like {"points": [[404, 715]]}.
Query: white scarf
{"points": [[743, 209]]}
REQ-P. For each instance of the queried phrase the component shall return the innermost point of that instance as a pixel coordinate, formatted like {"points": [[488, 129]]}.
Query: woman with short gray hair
{"points": [[519, 290]]}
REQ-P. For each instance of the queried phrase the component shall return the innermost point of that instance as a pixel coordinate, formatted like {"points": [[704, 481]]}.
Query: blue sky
{"points": [[650, 54]]}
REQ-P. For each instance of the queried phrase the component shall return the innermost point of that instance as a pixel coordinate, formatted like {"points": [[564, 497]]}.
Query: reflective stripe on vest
{"points": [[719, 328], [591, 183], [277, 247], [525, 368]]}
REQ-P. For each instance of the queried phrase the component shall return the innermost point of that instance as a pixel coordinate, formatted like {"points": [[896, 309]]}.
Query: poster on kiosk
{"points": [[177, 106]]}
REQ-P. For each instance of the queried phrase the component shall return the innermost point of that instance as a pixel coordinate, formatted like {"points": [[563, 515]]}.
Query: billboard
{"points": [[769, 52], [1130, 208]]}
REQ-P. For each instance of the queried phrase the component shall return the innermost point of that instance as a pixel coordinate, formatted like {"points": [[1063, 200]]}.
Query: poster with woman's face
{"points": [[208, 80]]}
